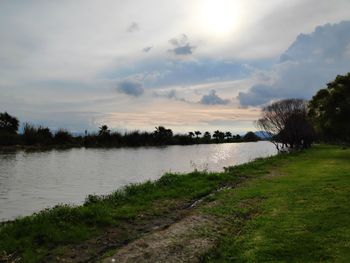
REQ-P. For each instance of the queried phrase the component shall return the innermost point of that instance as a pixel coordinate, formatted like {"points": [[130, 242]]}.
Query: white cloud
{"points": [[309, 63]]}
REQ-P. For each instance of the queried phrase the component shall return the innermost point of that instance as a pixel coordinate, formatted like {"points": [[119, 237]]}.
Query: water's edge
{"points": [[32, 181]]}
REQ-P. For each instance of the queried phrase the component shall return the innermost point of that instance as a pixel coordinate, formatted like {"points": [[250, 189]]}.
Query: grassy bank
{"points": [[286, 208], [298, 212], [35, 237]]}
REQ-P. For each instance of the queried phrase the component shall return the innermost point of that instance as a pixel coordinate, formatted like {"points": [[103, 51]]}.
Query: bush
{"points": [[33, 135], [8, 139], [63, 137]]}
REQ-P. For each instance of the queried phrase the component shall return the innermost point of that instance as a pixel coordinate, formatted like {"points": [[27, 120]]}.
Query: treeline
{"points": [[42, 136]]}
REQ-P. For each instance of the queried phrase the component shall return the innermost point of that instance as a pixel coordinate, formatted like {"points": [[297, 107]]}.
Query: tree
{"points": [[286, 122], [329, 110], [216, 135], [237, 137], [162, 135], [191, 134], [228, 135], [63, 137], [221, 136], [207, 135], [197, 133], [104, 130], [8, 123]]}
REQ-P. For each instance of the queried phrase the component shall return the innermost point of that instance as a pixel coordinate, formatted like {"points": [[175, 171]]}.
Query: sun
{"points": [[218, 17]]}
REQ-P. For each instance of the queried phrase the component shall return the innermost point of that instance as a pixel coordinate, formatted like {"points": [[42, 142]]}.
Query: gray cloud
{"points": [[133, 27], [130, 87], [213, 99], [308, 64], [172, 95], [147, 49], [182, 46]]}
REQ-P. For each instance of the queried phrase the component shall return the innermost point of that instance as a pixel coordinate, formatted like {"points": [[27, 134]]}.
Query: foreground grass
{"points": [[291, 208], [33, 238], [299, 212]]}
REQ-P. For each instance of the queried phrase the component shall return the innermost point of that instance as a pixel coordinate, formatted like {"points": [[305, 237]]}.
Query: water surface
{"points": [[31, 181]]}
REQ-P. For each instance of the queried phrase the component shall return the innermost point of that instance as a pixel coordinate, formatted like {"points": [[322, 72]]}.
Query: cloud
{"points": [[181, 46], [130, 87], [171, 94], [213, 99], [165, 73], [147, 49], [133, 27], [307, 65]]}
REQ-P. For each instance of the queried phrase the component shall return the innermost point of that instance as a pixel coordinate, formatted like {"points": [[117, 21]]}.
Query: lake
{"points": [[31, 181]]}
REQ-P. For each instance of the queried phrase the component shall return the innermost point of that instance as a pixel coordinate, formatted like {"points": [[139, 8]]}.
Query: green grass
{"points": [[33, 237], [289, 208], [300, 213]]}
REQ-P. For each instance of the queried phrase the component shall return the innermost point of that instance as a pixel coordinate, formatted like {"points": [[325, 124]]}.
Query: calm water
{"points": [[31, 181]]}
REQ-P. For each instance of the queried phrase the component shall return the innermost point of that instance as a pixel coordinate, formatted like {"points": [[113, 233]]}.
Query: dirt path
{"points": [[116, 237], [180, 242], [171, 230]]}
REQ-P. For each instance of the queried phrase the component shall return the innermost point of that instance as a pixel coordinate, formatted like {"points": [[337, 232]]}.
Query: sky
{"points": [[187, 65]]}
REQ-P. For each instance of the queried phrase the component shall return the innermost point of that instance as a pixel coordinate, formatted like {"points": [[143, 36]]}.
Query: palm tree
{"points": [[163, 135], [197, 133], [216, 135], [221, 136], [207, 135], [191, 134], [104, 130], [228, 135]]}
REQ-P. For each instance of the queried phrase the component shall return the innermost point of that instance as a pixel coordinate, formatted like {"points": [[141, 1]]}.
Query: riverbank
{"points": [[284, 208]]}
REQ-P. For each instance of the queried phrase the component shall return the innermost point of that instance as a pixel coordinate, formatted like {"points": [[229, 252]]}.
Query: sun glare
{"points": [[218, 17]]}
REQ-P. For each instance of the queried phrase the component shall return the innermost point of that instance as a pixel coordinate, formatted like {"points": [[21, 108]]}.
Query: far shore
{"points": [[65, 147]]}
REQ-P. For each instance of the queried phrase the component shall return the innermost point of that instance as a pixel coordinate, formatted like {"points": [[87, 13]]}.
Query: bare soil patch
{"points": [[179, 242]]}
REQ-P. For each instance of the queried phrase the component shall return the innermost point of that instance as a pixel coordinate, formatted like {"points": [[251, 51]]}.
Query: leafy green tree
{"points": [[329, 110], [8, 123]]}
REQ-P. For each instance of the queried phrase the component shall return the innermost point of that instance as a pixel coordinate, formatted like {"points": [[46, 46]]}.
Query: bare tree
{"points": [[286, 123]]}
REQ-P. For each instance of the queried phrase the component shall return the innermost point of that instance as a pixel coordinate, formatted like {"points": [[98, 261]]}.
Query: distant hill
{"points": [[262, 135]]}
